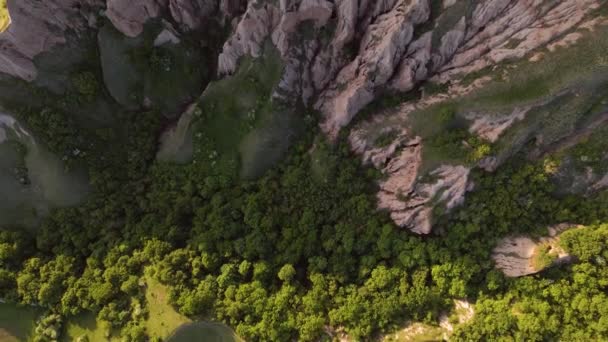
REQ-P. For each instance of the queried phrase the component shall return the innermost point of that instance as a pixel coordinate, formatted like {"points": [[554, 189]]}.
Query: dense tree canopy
{"points": [[286, 255]]}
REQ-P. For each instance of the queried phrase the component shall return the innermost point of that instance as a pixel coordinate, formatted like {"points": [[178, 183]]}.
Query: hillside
{"points": [[304, 170]]}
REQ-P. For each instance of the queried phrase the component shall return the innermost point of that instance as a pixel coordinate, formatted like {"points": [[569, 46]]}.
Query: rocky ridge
{"points": [[395, 51], [340, 55], [40, 26]]}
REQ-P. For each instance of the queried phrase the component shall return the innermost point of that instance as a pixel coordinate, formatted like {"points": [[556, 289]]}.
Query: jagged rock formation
{"points": [[390, 49], [409, 198], [253, 28], [38, 26], [379, 54], [514, 255], [340, 55], [413, 202], [129, 17]]}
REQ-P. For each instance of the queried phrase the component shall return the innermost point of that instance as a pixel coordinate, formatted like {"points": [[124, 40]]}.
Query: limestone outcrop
{"points": [[254, 27], [130, 16], [391, 52], [38, 26], [514, 255], [380, 51], [191, 14], [339, 56], [413, 204]]}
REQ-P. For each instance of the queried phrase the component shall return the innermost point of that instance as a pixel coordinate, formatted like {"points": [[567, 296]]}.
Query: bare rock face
{"points": [[362, 48], [514, 255], [490, 128], [129, 16], [340, 55], [380, 51], [38, 26], [530, 24], [414, 209], [254, 27], [192, 13], [400, 62], [330, 58], [410, 199], [229, 8]]}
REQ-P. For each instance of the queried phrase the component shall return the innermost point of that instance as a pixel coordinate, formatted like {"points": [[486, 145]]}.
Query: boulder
{"points": [[129, 16], [191, 14]]}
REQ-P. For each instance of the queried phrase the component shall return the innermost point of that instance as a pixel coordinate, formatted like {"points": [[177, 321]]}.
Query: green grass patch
{"points": [[386, 138], [510, 93], [471, 77], [418, 332], [445, 137], [167, 76], [17, 323], [85, 327], [204, 332], [242, 130], [384, 102], [567, 87], [162, 318], [565, 68], [543, 257], [432, 88]]}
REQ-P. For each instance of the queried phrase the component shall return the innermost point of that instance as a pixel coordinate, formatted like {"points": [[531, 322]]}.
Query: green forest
{"points": [[281, 257]]}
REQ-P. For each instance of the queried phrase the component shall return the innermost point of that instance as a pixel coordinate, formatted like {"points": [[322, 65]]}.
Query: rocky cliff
{"points": [[488, 69], [518, 256], [342, 55]]}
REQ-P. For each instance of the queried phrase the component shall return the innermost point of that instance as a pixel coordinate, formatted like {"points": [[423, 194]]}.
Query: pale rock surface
{"points": [[38, 26], [448, 3], [514, 254], [166, 36], [530, 23], [129, 16], [600, 184], [331, 58], [465, 312], [413, 67], [255, 26], [481, 42], [411, 202], [468, 46], [381, 48], [491, 127], [192, 13]]}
